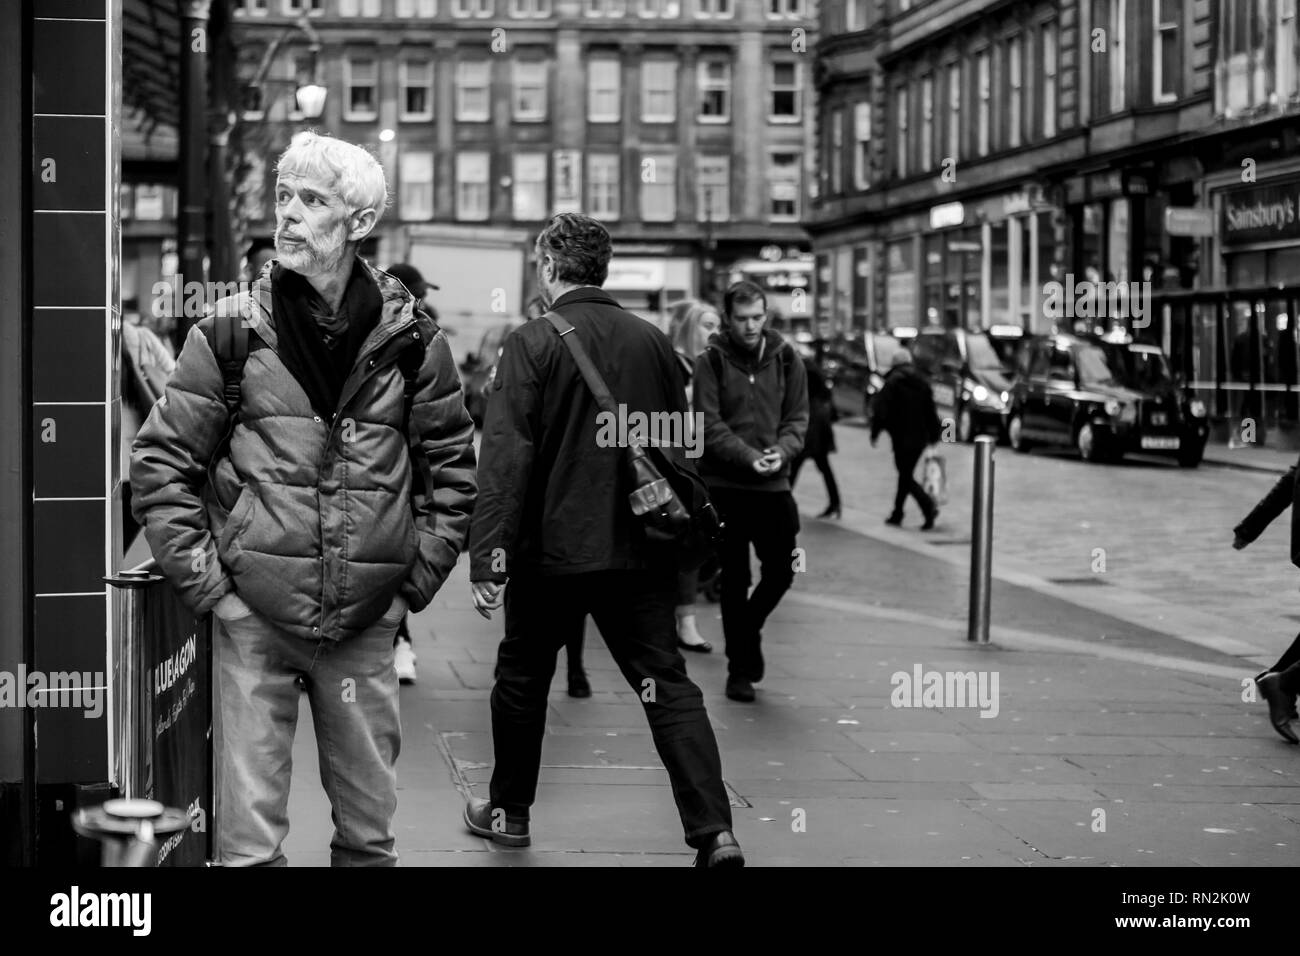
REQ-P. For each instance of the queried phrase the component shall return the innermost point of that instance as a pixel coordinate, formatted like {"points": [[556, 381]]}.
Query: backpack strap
{"points": [[715, 360], [409, 362], [228, 339]]}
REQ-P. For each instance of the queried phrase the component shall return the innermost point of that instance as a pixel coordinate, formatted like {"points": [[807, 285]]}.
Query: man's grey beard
{"points": [[312, 259]]}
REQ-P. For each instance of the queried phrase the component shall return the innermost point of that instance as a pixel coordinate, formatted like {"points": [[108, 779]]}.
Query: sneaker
{"points": [[929, 520], [404, 662], [895, 520]]}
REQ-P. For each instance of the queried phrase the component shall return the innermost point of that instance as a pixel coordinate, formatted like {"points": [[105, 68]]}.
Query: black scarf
{"points": [[317, 347]]}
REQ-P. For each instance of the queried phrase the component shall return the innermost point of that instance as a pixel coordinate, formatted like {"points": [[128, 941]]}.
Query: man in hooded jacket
{"points": [[905, 409]]}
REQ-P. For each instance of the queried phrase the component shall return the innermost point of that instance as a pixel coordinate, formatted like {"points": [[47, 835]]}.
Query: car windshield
{"points": [[1098, 366], [982, 354], [885, 349], [1139, 368]]}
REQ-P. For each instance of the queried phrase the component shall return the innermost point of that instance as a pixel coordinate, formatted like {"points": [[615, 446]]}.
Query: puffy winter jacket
{"points": [[311, 521], [905, 409], [761, 401]]}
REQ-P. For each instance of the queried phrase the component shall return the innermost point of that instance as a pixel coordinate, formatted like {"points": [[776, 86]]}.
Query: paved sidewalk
{"points": [[1112, 743], [1250, 457]]}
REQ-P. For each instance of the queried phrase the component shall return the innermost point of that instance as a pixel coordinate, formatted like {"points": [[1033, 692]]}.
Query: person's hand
{"points": [[231, 607], [487, 596], [1238, 542], [762, 465], [396, 611], [774, 458]]}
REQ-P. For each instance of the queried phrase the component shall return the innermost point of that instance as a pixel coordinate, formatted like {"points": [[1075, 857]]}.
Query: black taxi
{"points": [[1106, 397]]}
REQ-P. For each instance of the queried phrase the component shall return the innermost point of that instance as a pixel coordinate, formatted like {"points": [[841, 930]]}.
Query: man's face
{"points": [[746, 322], [311, 224]]}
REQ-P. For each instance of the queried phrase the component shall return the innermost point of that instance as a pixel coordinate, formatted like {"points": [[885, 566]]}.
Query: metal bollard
{"points": [[129, 829], [981, 541]]}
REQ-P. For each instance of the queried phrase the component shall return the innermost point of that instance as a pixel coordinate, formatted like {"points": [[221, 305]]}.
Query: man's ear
{"points": [[362, 223]]}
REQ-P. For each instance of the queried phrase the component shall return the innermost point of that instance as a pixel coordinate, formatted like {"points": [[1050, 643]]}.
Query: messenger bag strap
{"points": [[599, 390]]}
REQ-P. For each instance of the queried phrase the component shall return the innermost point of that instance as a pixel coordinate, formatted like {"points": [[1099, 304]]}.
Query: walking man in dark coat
{"points": [[905, 409], [553, 518]]}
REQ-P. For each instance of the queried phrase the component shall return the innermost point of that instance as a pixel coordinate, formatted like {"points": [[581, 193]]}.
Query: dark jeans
{"points": [[823, 463], [905, 459], [634, 612], [770, 521]]}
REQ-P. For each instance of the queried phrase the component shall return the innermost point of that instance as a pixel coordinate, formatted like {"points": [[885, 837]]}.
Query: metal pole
{"points": [[981, 542], [192, 225]]}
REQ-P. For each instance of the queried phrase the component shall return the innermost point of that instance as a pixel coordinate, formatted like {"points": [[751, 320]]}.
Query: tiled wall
{"points": [[75, 328]]}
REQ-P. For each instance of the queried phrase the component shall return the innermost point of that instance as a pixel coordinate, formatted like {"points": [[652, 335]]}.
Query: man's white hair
{"points": [[357, 176]]}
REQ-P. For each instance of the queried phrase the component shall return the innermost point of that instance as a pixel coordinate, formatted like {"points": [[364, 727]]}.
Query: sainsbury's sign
{"points": [[1261, 213]]}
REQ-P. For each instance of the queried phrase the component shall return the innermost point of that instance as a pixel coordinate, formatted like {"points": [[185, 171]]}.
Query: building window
{"points": [[715, 90], [529, 194], [602, 186], [1168, 61], [472, 8], [256, 8], [472, 186], [359, 76], [855, 15], [658, 91], [425, 9], [659, 8], [530, 91], [954, 111], [416, 78], [862, 146], [786, 93], [1015, 93], [1110, 15], [983, 91], [927, 121], [708, 9], [658, 187], [473, 91], [837, 153], [530, 8], [784, 8], [605, 8], [783, 186], [901, 131], [603, 89], [1049, 78], [292, 7], [712, 184], [416, 196]]}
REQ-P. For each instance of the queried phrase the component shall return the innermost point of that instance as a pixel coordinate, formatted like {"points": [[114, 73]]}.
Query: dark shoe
{"points": [[722, 850], [578, 685], [832, 511], [740, 689], [895, 520], [705, 648], [1291, 712], [929, 520], [1279, 706], [483, 821]]}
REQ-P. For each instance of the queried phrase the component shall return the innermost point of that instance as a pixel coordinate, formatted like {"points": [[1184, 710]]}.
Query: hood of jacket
{"points": [[772, 343]]}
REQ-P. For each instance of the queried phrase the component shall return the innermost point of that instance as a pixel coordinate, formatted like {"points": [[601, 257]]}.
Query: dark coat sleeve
{"points": [[1279, 497], [511, 429], [444, 436], [882, 411], [169, 463], [793, 429]]}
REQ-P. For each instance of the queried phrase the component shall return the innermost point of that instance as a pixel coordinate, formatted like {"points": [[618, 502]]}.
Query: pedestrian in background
{"points": [[820, 442], [1280, 684], [690, 325], [905, 409], [553, 519], [404, 657], [300, 534], [752, 390]]}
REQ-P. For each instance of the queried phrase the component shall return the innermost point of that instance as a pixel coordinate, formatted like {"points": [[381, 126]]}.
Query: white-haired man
{"points": [[341, 498]]}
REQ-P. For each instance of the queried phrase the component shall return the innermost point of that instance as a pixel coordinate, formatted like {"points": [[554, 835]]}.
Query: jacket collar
{"points": [[772, 344], [397, 312], [587, 293]]}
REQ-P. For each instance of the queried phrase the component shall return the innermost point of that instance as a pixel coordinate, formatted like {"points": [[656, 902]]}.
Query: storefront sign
{"points": [[947, 214], [1189, 221], [1264, 213], [964, 245]]}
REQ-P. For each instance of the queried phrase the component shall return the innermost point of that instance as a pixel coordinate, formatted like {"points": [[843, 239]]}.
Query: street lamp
{"points": [[311, 100]]}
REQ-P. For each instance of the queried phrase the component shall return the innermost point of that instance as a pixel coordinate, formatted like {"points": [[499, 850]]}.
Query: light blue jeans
{"points": [[352, 690]]}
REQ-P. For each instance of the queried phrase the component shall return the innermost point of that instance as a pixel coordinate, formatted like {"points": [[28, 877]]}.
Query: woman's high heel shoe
{"points": [[832, 511]]}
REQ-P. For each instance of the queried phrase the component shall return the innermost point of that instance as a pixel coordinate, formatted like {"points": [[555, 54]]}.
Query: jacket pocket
{"points": [[238, 518]]}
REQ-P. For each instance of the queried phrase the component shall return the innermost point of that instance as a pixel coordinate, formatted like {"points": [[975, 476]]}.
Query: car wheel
{"points": [[1191, 457], [1088, 444], [965, 426], [1015, 433]]}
